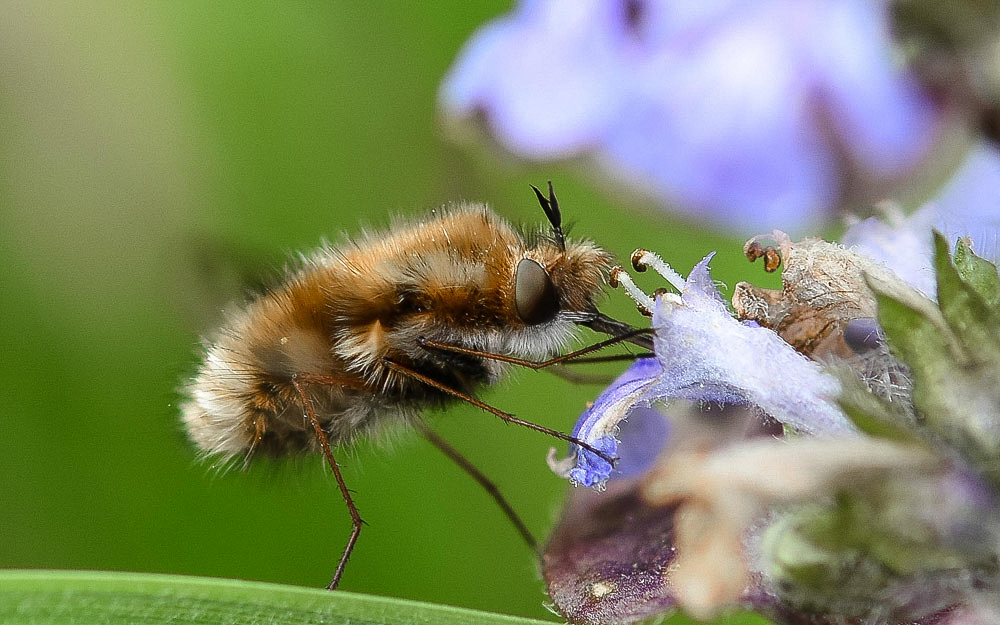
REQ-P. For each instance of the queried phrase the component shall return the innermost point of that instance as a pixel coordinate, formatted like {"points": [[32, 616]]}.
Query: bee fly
{"points": [[373, 332]]}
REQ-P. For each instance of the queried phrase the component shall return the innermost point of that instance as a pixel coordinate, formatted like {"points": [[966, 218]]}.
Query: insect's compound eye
{"points": [[534, 294]]}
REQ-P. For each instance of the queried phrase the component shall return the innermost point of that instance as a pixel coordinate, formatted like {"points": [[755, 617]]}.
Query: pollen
{"points": [[600, 590]]}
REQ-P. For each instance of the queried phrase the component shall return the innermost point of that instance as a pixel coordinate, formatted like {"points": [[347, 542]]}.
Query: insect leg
{"points": [[483, 481], [351, 508], [504, 416]]}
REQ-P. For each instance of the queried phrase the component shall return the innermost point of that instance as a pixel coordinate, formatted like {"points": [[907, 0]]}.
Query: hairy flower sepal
{"points": [[953, 350]]}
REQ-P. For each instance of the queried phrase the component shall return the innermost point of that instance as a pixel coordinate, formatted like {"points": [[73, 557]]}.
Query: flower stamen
{"points": [[619, 277], [642, 260]]}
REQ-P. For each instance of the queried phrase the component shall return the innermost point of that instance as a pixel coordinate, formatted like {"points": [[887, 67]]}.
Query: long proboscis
{"points": [[599, 322]]}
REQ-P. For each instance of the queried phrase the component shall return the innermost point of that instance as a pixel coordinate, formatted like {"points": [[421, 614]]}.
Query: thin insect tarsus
{"points": [[356, 520], [455, 456], [504, 416]]}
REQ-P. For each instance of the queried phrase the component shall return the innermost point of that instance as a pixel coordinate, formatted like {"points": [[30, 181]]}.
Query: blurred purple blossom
{"points": [[967, 206], [751, 114]]}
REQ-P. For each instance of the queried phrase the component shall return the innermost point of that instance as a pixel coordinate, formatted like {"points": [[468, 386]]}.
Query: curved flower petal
{"points": [[709, 356], [874, 105], [894, 525], [704, 355], [599, 425]]}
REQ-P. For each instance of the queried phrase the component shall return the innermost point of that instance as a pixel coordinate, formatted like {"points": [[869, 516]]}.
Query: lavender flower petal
{"points": [[599, 424], [876, 527], [709, 356], [704, 355], [738, 111], [547, 78], [875, 106]]}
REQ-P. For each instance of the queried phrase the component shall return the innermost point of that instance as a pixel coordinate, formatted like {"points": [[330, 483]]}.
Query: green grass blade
{"points": [[101, 598]]}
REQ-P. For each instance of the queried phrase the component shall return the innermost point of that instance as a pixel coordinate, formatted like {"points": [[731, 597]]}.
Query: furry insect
{"points": [[375, 331]]}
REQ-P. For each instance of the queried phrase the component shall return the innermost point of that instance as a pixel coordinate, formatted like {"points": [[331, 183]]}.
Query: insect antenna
{"points": [[551, 207]]}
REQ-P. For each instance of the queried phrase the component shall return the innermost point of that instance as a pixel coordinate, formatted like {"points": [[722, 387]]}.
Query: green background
{"points": [[155, 155]]}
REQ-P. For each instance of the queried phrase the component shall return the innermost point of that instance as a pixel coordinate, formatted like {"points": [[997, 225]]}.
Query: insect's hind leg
{"points": [[356, 519]]}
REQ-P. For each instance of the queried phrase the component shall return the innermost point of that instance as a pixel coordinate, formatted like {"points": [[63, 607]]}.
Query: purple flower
{"points": [[748, 113], [704, 355], [889, 517]]}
